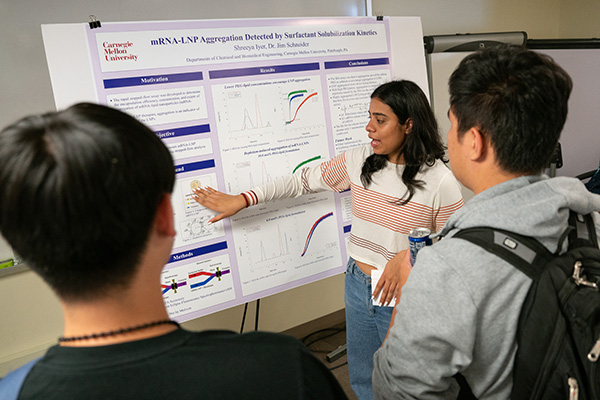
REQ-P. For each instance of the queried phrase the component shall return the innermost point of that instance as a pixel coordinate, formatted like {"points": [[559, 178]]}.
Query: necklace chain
{"points": [[118, 331]]}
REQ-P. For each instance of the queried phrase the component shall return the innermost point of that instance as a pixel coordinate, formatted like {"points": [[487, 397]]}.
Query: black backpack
{"points": [[558, 333]]}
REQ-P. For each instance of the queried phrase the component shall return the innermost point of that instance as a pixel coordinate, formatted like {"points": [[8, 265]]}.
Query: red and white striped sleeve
{"points": [[329, 175]]}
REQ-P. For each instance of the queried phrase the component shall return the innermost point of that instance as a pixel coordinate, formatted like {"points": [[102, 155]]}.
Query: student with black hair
{"points": [[398, 182], [86, 201], [461, 304]]}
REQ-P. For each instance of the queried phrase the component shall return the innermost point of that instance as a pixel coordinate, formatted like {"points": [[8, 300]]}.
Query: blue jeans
{"points": [[366, 327]]}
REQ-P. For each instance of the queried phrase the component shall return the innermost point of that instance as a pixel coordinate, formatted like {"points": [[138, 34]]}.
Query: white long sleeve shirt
{"points": [[380, 226]]}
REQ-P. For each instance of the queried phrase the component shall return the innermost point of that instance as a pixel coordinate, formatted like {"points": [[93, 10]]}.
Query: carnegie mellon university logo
{"points": [[118, 51]]}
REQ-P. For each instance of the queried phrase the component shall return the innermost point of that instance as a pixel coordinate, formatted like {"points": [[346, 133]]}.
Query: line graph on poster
{"points": [[260, 110], [250, 173], [286, 241]]}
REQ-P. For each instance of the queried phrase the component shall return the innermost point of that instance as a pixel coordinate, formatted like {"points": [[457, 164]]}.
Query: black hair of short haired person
{"points": [[517, 98], [422, 147], [80, 189]]}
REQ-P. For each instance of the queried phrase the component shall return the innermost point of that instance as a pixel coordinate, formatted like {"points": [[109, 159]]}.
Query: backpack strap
{"points": [[10, 385], [584, 234], [465, 392], [525, 253]]}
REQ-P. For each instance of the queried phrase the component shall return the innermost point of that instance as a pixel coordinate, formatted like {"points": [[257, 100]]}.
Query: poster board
{"points": [[240, 103]]}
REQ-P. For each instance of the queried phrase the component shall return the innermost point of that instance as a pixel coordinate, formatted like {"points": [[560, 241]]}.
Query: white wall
{"points": [[539, 18], [579, 19]]}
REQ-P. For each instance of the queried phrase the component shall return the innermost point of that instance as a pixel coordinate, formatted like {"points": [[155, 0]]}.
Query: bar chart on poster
{"points": [[240, 103]]}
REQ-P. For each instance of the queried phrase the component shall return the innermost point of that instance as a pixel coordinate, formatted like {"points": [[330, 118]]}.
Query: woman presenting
{"points": [[398, 182]]}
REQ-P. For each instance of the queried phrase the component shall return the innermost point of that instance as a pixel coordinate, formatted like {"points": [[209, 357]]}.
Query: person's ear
{"points": [[408, 125], [478, 144], [164, 221]]}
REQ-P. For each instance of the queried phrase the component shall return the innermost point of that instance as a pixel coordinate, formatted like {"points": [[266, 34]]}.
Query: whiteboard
{"points": [[580, 139], [240, 103]]}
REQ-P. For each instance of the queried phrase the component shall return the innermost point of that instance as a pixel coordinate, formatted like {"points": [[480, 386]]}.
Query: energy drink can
{"points": [[417, 239]]}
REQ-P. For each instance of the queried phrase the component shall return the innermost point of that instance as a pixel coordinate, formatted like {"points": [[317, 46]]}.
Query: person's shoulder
{"points": [[360, 152], [438, 168], [438, 174], [250, 340], [283, 357], [271, 339], [471, 264]]}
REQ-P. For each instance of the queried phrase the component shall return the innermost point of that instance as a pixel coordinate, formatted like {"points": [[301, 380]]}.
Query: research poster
{"points": [[240, 103]]}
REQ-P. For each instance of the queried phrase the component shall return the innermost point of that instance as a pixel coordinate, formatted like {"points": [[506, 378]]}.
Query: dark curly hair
{"points": [[422, 147]]}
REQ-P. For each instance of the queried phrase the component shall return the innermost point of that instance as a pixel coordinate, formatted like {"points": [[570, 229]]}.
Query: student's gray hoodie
{"points": [[459, 308]]}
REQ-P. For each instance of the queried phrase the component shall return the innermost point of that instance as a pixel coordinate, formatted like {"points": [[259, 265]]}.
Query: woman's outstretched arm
{"points": [[225, 204]]}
